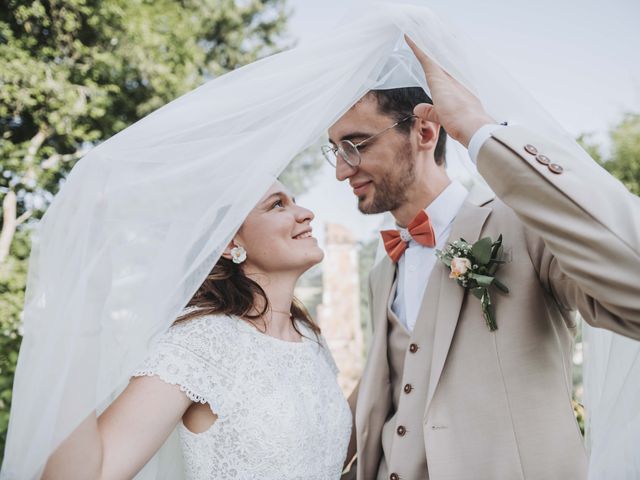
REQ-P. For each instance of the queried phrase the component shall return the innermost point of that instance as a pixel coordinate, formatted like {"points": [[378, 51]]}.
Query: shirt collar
{"points": [[444, 208]]}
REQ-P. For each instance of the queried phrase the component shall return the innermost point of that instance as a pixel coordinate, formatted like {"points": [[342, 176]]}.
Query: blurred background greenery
{"points": [[75, 72]]}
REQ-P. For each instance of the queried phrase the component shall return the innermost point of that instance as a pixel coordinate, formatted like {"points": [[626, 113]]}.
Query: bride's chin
{"points": [[320, 254], [314, 257]]}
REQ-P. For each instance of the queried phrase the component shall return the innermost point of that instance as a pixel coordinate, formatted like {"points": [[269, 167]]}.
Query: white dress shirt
{"points": [[416, 265]]}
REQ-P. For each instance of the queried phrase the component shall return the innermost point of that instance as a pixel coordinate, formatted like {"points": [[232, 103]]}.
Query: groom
{"points": [[442, 396]]}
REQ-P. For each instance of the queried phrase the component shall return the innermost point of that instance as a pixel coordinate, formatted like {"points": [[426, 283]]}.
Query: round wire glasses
{"points": [[349, 151]]}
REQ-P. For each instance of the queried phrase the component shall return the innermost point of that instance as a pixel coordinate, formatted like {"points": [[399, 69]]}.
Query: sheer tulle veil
{"points": [[144, 216]]}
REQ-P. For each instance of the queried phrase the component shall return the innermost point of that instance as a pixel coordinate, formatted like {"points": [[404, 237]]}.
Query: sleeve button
{"points": [[543, 159], [555, 168]]}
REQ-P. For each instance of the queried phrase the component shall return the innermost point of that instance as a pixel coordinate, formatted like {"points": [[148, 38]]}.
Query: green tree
{"points": [[73, 74], [11, 301], [623, 161]]}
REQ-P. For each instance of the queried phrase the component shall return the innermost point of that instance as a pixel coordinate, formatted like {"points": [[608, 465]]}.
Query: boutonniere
{"points": [[474, 268]]}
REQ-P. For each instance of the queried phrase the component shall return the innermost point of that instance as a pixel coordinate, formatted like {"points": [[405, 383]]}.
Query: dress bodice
{"points": [[281, 413]]}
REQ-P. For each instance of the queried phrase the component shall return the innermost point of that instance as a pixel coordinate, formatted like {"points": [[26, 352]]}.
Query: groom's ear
{"points": [[428, 134]]}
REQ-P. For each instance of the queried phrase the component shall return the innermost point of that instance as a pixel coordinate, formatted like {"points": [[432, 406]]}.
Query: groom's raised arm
{"points": [[589, 256], [588, 223]]}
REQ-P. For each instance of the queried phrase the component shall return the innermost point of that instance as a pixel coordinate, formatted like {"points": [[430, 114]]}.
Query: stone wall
{"points": [[339, 312]]}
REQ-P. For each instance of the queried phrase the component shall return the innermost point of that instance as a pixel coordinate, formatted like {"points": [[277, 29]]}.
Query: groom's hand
{"points": [[454, 107]]}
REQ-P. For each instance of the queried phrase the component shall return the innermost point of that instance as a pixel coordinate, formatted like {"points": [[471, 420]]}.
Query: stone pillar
{"points": [[339, 312]]}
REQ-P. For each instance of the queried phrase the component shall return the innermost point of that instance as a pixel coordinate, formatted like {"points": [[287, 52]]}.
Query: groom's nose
{"points": [[343, 169]]}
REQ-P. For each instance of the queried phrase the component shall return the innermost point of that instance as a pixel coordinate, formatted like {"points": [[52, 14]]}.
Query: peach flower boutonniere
{"points": [[474, 268]]}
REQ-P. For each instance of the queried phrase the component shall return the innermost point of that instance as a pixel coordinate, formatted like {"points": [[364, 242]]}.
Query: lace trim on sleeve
{"points": [[177, 365], [194, 397]]}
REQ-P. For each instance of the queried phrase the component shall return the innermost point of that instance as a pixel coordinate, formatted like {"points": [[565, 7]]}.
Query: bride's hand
{"points": [[454, 107]]}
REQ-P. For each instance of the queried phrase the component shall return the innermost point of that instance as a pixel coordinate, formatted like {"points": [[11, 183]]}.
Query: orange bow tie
{"points": [[420, 230]]}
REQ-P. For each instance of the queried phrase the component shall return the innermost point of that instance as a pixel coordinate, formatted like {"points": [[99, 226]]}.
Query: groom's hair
{"points": [[398, 103]]}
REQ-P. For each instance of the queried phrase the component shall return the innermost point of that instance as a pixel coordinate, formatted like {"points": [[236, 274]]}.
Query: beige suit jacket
{"points": [[498, 403]]}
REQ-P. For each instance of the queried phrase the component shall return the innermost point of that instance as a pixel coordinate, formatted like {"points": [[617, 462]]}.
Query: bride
{"points": [[244, 373]]}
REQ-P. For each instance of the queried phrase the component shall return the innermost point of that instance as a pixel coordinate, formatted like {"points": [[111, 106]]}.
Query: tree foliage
{"points": [[13, 275], [74, 73], [623, 161]]}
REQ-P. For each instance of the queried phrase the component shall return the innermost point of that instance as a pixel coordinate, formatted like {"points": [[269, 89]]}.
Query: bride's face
{"points": [[277, 235]]}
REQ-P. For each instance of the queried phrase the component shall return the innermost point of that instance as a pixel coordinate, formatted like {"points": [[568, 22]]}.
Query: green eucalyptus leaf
{"points": [[500, 286], [483, 280], [481, 251], [478, 292]]}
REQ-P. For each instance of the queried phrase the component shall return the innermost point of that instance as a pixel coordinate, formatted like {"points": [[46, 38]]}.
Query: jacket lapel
{"points": [[468, 225], [374, 395]]}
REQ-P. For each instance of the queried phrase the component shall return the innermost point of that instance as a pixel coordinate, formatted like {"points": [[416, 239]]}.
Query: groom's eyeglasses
{"points": [[349, 151]]}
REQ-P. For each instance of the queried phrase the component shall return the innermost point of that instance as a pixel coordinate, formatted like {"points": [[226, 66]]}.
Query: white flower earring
{"points": [[238, 254]]}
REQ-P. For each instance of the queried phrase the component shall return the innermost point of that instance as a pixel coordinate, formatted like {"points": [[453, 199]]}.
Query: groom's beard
{"points": [[391, 191]]}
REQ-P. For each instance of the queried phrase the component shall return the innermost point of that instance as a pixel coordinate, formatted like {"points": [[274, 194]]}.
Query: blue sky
{"points": [[580, 59]]}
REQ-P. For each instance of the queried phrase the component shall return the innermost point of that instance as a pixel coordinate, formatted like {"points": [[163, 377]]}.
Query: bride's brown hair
{"points": [[228, 291]]}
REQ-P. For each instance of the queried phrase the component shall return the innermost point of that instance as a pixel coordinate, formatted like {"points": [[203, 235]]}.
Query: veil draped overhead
{"points": [[142, 219]]}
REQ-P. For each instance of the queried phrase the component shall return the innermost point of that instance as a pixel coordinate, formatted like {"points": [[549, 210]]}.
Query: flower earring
{"points": [[238, 254]]}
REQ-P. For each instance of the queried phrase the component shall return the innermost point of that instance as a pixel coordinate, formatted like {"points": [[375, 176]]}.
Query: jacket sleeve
{"points": [[589, 257]]}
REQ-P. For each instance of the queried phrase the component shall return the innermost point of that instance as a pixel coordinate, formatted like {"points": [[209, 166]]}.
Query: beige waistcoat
{"points": [[402, 443]]}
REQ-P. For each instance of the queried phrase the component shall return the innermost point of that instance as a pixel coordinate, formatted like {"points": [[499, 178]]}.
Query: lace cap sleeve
{"points": [[193, 355]]}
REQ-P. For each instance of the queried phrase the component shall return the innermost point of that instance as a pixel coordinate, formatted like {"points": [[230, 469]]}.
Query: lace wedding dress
{"points": [[281, 413]]}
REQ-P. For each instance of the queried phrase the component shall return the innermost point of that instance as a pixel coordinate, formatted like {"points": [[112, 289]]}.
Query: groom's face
{"points": [[387, 167]]}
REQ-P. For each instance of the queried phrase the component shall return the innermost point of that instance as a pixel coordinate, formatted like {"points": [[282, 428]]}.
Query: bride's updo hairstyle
{"points": [[228, 291]]}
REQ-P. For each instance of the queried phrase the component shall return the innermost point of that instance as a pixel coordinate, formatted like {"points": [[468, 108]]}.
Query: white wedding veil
{"points": [[142, 219]]}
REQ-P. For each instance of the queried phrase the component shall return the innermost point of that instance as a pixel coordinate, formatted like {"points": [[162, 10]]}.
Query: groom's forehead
{"points": [[357, 121]]}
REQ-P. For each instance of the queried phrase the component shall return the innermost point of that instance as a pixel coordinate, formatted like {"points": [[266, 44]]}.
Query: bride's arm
{"points": [[121, 441]]}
